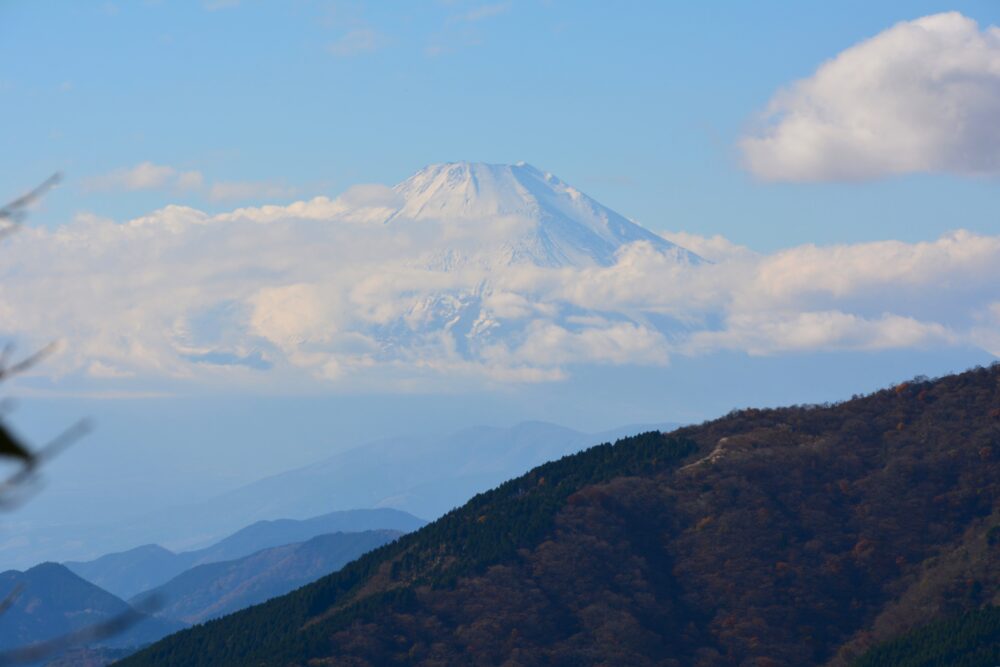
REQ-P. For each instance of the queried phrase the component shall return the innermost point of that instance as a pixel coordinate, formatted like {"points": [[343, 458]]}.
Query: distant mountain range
{"points": [[491, 215], [131, 572], [261, 561], [802, 536], [216, 589], [423, 475]]}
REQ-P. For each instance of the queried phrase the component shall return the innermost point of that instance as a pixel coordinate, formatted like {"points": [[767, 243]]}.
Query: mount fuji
{"points": [[482, 223], [461, 270], [524, 215]]}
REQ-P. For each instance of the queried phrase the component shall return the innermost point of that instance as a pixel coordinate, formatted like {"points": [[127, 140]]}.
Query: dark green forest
{"points": [[971, 640], [807, 535]]}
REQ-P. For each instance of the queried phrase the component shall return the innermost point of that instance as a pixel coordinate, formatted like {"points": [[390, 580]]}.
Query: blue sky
{"points": [[820, 154], [640, 106]]}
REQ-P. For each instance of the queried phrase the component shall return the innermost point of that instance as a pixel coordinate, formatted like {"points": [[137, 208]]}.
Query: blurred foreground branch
{"points": [[29, 461], [14, 213]]}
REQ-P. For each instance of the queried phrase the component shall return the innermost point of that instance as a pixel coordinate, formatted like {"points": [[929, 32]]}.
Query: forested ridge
{"points": [[795, 536], [971, 640]]}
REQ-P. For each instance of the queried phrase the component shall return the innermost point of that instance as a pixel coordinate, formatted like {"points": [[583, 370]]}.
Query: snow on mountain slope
{"points": [[462, 270], [464, 291], [530, 215]]}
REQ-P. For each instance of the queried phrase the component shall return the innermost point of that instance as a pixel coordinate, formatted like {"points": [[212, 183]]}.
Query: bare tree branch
{"points": [[13, 369], [14, 213], [29, 471], [11, 447], [11, 598]]}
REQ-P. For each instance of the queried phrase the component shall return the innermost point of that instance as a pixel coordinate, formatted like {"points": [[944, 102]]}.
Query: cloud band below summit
{"points": [[326, 291]]}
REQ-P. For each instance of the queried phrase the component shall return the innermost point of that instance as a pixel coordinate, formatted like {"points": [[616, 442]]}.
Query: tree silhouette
{"points": [[29, 460]]}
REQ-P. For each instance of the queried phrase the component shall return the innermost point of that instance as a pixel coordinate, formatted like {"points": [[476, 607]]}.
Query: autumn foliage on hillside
{"points": [[795, 536]]}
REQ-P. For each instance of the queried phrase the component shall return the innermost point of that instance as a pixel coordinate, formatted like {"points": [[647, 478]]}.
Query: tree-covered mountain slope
{"points": [[795, 536], [970, 640]]}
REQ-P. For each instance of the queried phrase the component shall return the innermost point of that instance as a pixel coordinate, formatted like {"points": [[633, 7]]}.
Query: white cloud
{"points": [[460, 29], [321, 291], [215, 5], [548, 344], [357, 41], [100, 369], [484, 12], [151, 176], [713, 248], [143, 176], [922, 96], [772, 333], [190, 180], [292, 316]]}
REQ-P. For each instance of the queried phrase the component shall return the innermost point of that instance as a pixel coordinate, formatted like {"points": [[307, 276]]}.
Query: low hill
{"points": [[89, 657], [129, 573], [264, 534], [54, 602], [795, 536], [216, 589]]}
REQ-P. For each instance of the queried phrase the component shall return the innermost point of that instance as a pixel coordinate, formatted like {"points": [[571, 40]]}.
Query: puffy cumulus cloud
{"points": [[771, 333], [922, 96], [292, 315], [849, 272], [360, 204], [341, 292], [643, 280], [865, 296], [546, 343], [713, 248]]}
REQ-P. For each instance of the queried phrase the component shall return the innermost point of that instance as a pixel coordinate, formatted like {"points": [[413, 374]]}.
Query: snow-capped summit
{"points": [[545, 221]]}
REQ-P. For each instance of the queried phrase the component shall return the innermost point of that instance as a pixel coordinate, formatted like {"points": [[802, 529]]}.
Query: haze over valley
{"points": [[527, 332]]}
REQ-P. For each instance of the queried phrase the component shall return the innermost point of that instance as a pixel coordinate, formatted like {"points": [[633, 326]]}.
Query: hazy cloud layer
{"points": [[323, 293], [357, 41], [487, 11], [215, 5], [922, 96], [150, 176], [144, 176]]}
